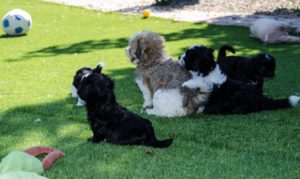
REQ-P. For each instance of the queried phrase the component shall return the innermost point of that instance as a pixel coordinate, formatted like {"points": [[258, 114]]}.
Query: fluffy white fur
{"points": [[199, 81], [167, 103], [273, 31], [294, 100], [74, 92], [215, 77]]}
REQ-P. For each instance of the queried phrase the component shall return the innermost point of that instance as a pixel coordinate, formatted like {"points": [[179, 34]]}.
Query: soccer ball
{"points": [[16, 22]]}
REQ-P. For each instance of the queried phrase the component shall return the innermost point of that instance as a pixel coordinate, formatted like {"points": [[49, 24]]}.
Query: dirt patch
{"points": [[219, 12]]}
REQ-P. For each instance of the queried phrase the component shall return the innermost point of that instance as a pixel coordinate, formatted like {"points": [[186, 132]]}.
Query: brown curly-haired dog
{"points": [[160, 78]]}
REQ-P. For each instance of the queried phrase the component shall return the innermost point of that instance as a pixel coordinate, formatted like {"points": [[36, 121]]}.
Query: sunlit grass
{"points": [[35, 83]]}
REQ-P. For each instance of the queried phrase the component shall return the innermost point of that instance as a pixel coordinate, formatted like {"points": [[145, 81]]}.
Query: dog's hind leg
{"points": [[96, 138], [199, 82], [289, 38]]}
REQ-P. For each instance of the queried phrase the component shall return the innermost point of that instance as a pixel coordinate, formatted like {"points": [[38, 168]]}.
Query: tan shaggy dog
{"points": [[160, 78], [273, 31]]}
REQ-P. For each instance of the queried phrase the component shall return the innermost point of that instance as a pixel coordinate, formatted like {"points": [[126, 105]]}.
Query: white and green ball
{"points": [[16, 22]]}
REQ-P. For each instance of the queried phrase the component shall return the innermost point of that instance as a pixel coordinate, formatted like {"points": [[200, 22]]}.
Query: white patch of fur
{"points": [[268, 57], [272, 31], [204, 85], [74, 92], [146, 93], [200, 109], [181, 61], [195, 74], [167, 103], [84, 76], [101, 64], [127, 53], [135, 62], [216, 76], [80, 102], [294, 100]]}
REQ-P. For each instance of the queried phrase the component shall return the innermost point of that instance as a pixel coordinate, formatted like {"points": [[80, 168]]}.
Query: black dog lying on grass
{"points": [[111, 122], [253, 70], [226, 96]]}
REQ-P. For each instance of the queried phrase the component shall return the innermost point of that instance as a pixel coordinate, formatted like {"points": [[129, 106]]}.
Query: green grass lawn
{"points": [[35, 83]]}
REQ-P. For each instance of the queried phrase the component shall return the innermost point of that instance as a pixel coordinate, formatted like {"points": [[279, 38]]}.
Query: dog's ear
{"points": [[83, 90], [141, 47]]}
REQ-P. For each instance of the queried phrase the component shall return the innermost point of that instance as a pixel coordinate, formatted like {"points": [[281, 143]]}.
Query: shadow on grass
{"points": [[215, 35], [75, 48], [81, 47], [5, 36]]}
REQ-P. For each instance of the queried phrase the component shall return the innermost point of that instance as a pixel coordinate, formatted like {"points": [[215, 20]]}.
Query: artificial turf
{"points": [[35, 83]]}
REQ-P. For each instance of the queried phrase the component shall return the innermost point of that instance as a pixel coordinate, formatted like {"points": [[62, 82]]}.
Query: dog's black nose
{"points": [[179, 57]]}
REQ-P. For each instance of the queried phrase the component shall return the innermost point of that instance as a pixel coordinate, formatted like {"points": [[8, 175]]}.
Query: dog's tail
{"points": [[99, 67], [159, 143], [222, 51], [271, 104]]}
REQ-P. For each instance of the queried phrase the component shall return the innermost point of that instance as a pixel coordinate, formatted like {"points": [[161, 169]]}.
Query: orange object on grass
{"points": [[52, 154], [146, 13]]}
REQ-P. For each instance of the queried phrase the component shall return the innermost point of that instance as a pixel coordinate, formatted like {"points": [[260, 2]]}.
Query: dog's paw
{"points": [[147, 105], [94, 139], [80, 102], [150, 111], [90, 139], [200, 110], [198, 83], [189, 84]]}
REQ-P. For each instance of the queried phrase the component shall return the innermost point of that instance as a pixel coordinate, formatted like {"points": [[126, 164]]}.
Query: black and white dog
{"points": [[252, 70], [227, 96], [78, 77], [111, 122]]}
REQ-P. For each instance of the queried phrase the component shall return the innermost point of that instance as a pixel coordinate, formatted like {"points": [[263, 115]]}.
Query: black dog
{"points": [[227, 96], [253, 70], [111, 122], [77, 80]]}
